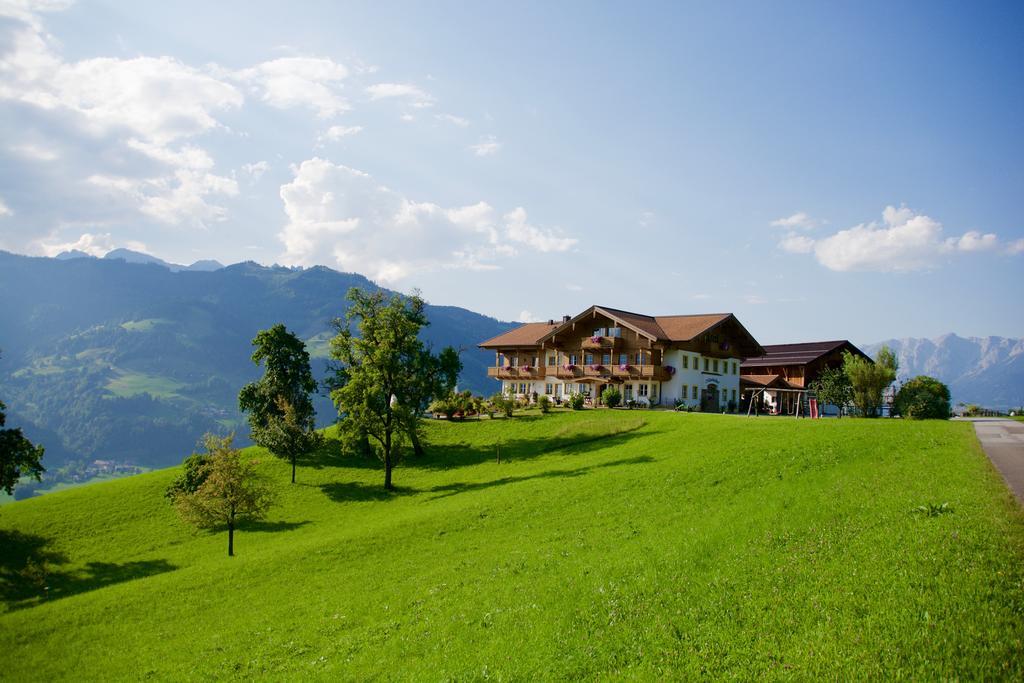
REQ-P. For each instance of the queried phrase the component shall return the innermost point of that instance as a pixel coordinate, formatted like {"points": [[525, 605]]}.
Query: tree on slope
{"points": [[385, 376], [18, 456], [870, 379], [281, 413], [232, 490], [833, 388]]}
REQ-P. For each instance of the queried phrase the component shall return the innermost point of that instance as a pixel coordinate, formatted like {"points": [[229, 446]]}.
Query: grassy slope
{"points": [[692, 544]]}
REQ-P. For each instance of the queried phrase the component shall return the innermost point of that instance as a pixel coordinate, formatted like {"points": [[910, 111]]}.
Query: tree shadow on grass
{"points": [[32, 572], [354, 491], [446, 490], [574, 438]]}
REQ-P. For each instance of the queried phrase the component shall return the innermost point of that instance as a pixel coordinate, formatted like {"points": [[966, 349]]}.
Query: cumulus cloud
{"points": [[5, 210], [517, 229], [798, 221], [903, 241], [89, 243], [487, 146], [311, 82], [1016, 247], [411, 93], [342, 214], [139, 108], [527, 317], [975, 241]]}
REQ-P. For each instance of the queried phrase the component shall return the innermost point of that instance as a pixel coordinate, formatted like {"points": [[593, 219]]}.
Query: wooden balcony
{"points": [[508, 372], [601, 342], [641, 372], [563, 372]]}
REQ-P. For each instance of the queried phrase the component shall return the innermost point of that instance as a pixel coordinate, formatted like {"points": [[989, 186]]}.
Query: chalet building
{"points": [[785, 369], [651, 359]]}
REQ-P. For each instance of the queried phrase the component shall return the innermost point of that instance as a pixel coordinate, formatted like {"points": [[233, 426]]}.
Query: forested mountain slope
{"points": [[102, 358]]}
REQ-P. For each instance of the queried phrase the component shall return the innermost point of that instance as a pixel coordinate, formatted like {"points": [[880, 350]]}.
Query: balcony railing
{"points": [[601, 342], [509, 372]]}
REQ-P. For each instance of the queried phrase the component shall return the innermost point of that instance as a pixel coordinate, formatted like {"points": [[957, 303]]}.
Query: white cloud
{"points": [[975, 241], [256, 170], [288, 82], [4, 209], [797, 244], [903, 241], [335, 133], [340, 214], [92, 244], [700, 297], [417, 96], [518, 230], [798, 221], [527, 317], [574, 288], [487, 146], [454, 120], [1016, 247], [755, 299]]}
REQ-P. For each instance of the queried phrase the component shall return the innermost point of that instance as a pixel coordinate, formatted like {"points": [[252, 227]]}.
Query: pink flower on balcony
{"points": [[670, 370], [624, 367], [526, 368], [568, 366], [596, 339]]}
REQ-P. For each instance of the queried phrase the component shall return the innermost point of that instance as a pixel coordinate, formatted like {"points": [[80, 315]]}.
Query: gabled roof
{"points": [[665, 328], [660, 328], [527, 334], [799, 354]]}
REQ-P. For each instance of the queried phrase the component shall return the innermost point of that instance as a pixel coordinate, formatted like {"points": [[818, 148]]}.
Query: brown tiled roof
{"points": [[799, 354], [527, 334], [687, 327], [669, 327]]}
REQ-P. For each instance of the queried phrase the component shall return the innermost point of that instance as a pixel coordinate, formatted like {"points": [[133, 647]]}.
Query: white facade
{"points": [[691, 378], [687, 383]]}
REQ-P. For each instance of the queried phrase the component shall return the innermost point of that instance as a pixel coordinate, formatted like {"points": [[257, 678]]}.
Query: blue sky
{"points": [[822, 170]]}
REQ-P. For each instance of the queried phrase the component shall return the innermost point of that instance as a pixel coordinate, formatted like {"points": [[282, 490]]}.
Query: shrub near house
{"points": [[923, 398]]}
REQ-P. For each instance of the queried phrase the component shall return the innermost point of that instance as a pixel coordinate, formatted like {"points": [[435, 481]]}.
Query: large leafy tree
{"points": [[833, 388], [923, 398], [869, 380], [19, 457], [232, 490], [385, 376], [281, 414]]}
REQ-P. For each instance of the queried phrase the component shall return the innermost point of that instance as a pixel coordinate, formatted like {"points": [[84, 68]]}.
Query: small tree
{"points": [[833, 388], [192, 477], [232, 490], [504, 403], [870, 379], [611, 397], [18, 456], [923, 398], [281, 413], [385, 377], [577, 401]]}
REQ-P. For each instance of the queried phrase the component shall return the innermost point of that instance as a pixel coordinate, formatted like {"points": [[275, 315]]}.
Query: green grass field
{"points": [[606, 544], [128, 383]]}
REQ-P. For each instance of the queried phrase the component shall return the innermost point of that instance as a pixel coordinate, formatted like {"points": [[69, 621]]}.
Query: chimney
{"points": [[566, 318], [551, 322]]}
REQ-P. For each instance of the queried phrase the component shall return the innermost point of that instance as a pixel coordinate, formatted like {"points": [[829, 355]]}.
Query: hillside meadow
{"points": [[605, 544]]}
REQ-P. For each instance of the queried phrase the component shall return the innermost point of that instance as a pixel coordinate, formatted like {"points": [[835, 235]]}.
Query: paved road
{"points": [[1003, 442]]}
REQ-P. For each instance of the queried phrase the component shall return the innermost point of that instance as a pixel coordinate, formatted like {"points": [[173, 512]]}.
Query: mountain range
{"points": [[133, 361], [988, 371], [129, 256], [131, 358]]}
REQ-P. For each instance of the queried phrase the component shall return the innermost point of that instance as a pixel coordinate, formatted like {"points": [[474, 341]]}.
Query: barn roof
{"points": [[799, 354]]}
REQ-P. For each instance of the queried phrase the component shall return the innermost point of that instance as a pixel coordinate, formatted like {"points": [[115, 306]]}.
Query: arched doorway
{"points": [[709, 399]]}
